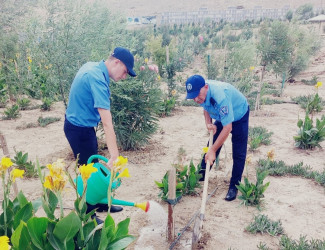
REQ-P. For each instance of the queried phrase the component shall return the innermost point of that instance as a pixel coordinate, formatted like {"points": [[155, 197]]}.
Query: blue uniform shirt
{"points": [[224, 102], [89, 91]]}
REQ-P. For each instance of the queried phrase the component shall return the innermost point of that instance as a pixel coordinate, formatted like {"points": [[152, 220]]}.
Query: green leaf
{"points": [[104, 238], [160, 185], [179, 185], [121, 243], [54, 241], [67, 227], [37, 228], [53, 200], [22, 199], [23, 214], [20, 238], [122, 228], [193, 181], [36, 204]]}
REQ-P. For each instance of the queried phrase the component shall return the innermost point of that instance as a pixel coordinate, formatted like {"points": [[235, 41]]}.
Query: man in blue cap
{"points": [[89, 103], [229, 108]]}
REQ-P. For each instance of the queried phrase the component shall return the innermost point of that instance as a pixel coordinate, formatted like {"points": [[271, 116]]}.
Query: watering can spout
{"points": [[144, 206]]}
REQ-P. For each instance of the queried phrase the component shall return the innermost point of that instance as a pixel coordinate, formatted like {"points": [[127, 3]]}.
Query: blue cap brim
{"points": [[192, 95], [132, 73]]}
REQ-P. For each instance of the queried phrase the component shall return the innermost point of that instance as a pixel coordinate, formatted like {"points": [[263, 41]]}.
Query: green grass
{"points": [[258, 136], [279, 168], [262, 224], [43, 122]]}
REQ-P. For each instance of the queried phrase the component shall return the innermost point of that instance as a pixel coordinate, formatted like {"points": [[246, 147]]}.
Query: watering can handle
{"points": [[93, 157]]}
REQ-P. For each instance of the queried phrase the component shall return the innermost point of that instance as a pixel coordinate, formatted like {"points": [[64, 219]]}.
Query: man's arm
{"points": [[110, 136]]}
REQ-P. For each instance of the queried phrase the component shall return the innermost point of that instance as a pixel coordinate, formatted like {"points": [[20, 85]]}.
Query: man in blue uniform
{"points": [[229, 108], [89, 104]]}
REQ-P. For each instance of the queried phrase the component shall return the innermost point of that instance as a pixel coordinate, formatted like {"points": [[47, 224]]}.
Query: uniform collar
{"points": [[207, 102], [104, 70]]}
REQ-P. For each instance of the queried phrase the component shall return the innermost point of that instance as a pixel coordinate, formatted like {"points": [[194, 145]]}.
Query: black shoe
{"points": [[104, 208], [231, 195], [99, 221], [202, 172]]}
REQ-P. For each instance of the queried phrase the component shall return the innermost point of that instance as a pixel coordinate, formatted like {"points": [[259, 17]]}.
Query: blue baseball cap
{"points": [[194, 85], [125, 56]]}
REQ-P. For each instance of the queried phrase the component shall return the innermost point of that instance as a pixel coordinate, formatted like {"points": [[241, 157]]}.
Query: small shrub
{"points": [[279, 168], [263, 246], [28, 125], [189, 103], [303, 100], [251, 194], [268, 101], [23, 103], [43, 122], [262, 224], [11, 112], [315, 105], [312, 82], [258, 136], [46, 105], [187, 179], [309, 136], [21, 161], [311, 103], [288, 244], [167, 106], [135, 104]]}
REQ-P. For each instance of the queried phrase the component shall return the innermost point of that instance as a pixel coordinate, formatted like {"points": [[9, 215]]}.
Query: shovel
{"points": [[198, 225]]}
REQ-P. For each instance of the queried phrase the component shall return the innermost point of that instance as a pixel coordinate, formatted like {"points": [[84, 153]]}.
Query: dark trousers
{"points": [[82, 140], [239, 148]]}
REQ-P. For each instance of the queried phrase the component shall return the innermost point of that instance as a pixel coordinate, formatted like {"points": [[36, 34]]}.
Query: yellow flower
{"points": [[205, 150], [57, 178], [270, 155], [87, 170], [318, 84], [17, 173], [251, 68], [125, 173], [120, 162], [4, 242], [29, 59], [5, 163], [174, 92], [56, 168], [55, 183], [159, 78], [146, 60], [46, 67]]}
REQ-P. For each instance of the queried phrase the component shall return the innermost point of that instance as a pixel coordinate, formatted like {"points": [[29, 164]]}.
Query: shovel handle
{"points": [[206, 179]]}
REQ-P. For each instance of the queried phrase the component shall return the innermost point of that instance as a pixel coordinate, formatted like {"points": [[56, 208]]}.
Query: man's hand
{"points": [[210, 156], [212, 127]]}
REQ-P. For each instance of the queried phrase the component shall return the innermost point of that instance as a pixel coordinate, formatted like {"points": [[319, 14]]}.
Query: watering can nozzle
{"points": [[144, 206]]}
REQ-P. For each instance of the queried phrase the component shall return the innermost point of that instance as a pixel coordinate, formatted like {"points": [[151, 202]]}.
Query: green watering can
{"points": [[97, 186]]}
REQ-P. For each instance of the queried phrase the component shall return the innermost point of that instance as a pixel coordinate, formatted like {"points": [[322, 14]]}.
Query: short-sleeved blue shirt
{"points": [[224, 102], [89, 91]]}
